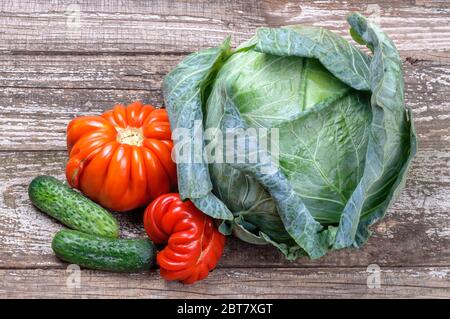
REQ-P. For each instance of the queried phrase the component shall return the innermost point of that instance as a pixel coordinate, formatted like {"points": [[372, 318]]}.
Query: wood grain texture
{"points": [[56, 65], [183, 26], [231, 283]]}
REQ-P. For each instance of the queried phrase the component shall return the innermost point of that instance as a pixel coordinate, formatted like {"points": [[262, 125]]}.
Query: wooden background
{"points": [[56, 65]]}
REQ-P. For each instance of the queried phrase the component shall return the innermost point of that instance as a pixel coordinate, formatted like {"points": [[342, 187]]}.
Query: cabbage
{"points": [[345, 140]]}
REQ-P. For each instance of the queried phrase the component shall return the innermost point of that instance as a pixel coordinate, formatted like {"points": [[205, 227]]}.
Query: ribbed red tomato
{"points": [[194, 245], [121, 159]]}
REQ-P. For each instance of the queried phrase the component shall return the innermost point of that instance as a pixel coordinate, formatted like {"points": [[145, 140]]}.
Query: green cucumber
{"points": [[71, 207], [111, 254]]}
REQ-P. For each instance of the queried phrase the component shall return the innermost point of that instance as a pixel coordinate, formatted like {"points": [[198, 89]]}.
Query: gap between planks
{"points": [[63, 266]]}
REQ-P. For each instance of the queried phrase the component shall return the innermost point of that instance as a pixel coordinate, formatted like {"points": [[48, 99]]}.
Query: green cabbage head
{"points": [[344, 138]]}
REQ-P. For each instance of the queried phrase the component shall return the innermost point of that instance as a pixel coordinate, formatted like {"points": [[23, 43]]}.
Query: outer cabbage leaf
{"points": [[392, 139], [184, 89]]}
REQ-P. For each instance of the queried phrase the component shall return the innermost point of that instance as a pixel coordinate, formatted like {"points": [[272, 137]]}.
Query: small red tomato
{"points": [[194, 245]]}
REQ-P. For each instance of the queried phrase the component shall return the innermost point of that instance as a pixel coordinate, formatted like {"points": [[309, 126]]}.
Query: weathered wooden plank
{"points": [[232, 283], [416, 230], [122, 72], [115, 26], [183, 26], [42, 93], [37, 118]]}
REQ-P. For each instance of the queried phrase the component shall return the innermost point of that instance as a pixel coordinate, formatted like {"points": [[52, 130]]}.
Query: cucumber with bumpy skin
{"points": [[71, 208], [111, 254]]}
